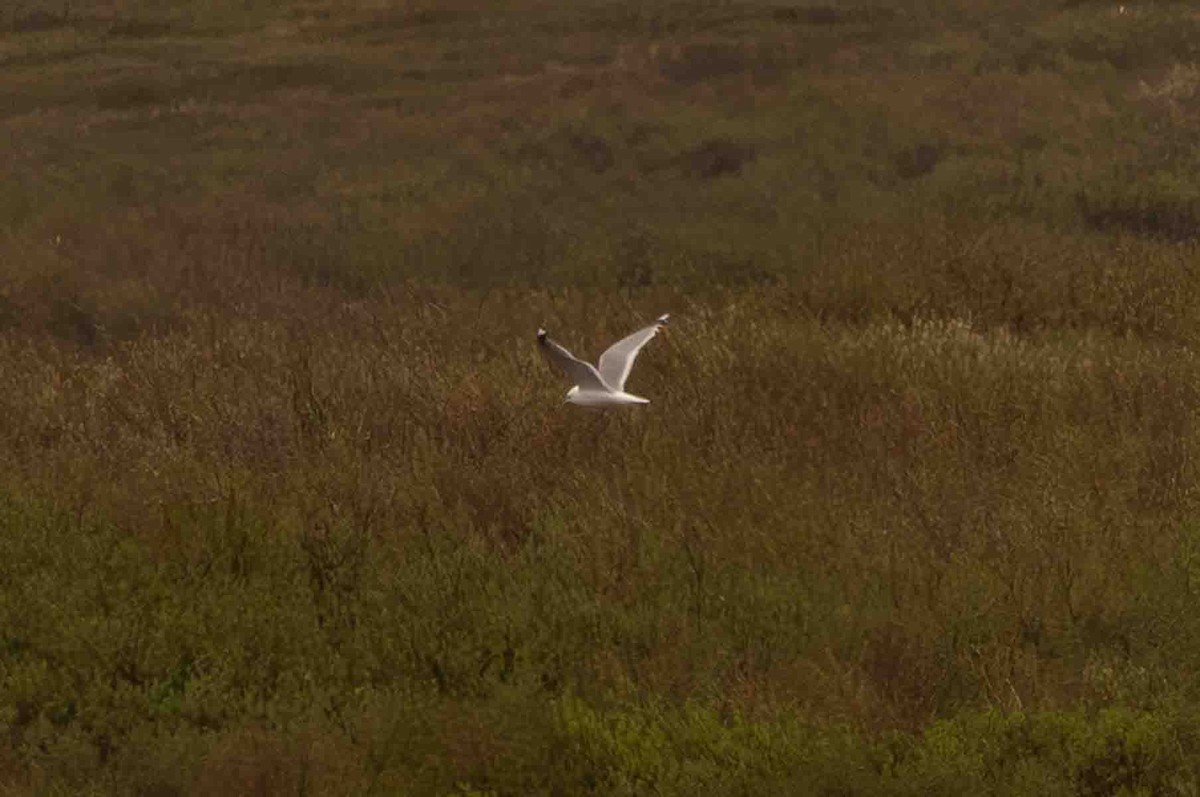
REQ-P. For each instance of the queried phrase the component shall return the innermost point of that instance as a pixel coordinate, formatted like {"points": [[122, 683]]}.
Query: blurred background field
{"points": [[289, 504]]}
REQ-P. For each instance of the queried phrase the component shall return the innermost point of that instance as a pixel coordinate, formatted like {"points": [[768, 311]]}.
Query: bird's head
{"points": [[541, 335]]}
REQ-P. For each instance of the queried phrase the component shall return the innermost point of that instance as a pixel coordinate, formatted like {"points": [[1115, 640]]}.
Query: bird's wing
{"points": [[584, 375], [617, 360]]}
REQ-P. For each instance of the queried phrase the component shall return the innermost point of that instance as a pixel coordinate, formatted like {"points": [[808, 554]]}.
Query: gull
{"points": [[603, 386]]}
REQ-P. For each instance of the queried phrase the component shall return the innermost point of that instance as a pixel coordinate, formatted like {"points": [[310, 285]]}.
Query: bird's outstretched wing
{"points": [[584, 375], [617, 360]]}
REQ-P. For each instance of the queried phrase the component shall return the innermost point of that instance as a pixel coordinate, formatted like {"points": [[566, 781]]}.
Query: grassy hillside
{"points": [[290, 505]]}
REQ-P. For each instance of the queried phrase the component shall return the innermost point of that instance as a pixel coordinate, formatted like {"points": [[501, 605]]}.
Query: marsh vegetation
{"points": [[289, 504]]}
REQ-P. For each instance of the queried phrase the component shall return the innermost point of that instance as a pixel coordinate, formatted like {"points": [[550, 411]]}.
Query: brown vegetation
{"points": [[288, 503]]}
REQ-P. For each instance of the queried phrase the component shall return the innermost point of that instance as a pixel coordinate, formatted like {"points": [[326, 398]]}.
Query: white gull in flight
{"points": [[603, 386]]}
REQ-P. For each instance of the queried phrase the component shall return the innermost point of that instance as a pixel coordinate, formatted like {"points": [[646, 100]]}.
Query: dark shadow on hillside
{"points": [[1170, 219], [38, 21], [701, 62], [718, 157], [918, 161], [140, 29]]}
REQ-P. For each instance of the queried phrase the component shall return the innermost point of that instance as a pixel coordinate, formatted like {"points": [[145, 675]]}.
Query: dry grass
{"points": [[290, 505]]}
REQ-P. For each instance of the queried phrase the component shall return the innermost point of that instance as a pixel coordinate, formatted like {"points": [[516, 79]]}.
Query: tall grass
{"points": [[290, 504]]}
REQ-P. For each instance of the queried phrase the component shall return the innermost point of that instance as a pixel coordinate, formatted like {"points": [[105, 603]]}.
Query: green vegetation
{"points": [[289, 504]]}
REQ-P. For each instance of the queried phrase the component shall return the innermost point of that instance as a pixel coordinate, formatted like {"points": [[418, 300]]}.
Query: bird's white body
{"points": [[598, 398], [603, 386]]}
